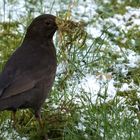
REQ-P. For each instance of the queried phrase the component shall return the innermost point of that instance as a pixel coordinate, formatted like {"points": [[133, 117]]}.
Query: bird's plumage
{"points": [[29, 73]]}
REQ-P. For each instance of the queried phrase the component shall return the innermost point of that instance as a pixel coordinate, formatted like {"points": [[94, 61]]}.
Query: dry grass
{"points": [[71, 31]]}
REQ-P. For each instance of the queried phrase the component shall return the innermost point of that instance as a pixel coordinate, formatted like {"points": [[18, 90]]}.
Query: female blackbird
{"points": [[29, 73]]}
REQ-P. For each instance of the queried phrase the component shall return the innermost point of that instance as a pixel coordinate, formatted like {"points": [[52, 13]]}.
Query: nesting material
{"points": [[71, 31]]}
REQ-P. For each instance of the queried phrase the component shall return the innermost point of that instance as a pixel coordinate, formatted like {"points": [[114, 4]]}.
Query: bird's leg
{"points": [[41, 124], [13, 117], [39, 119]]}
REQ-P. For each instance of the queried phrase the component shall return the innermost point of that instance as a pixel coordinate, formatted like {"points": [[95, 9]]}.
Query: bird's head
{"points": [[43, 26]]}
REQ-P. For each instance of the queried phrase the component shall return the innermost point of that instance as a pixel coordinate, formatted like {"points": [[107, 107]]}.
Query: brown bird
{"points": [[29, 73]]}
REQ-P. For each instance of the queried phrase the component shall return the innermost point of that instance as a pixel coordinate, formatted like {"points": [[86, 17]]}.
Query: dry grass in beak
{"points": [[71, 32]]}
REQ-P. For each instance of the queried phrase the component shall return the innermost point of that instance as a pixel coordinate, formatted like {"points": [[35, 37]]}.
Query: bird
{"points": [[29, 73]]}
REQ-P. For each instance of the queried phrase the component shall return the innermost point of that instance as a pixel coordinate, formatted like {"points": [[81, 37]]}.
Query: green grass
{"points": [[70, 113], [111, 120]]}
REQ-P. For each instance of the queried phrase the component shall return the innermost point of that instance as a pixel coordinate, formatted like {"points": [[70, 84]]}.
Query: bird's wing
{"points": [[21, 83], [5, 80]]}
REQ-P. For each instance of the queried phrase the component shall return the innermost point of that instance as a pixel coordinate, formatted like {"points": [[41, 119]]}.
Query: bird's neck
{"points": [[37, 38], [46, 43]]}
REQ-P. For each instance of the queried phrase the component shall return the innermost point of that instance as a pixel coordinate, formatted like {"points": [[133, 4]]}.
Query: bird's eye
{"points": [[48, 23]]}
